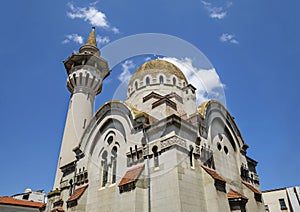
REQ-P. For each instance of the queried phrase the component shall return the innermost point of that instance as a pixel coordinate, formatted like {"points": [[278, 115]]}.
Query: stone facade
{"points": [[156, 151]]}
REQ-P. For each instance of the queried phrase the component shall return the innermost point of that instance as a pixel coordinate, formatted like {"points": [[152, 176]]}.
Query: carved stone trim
{"points": [[173, 141]]}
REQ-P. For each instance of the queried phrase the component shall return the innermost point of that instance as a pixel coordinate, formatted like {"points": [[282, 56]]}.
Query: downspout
{"points": [[148, 169]]}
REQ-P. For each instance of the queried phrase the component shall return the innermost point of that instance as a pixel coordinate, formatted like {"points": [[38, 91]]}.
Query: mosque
{"points": [[155, 151]]}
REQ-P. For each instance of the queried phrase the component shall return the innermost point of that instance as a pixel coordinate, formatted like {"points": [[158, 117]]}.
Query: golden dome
{"points": [[158, 66]]}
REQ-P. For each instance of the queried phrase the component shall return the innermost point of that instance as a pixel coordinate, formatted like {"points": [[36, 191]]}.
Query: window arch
{"points": [[161, 80], [147, 81]]}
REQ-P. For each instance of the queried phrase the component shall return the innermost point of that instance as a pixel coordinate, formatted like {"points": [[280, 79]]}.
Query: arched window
{"points": [[174, 81], [147, 81], [161, 80], [155, 153], [110, 140], [114, 164], [104, 166], [136, 85]]}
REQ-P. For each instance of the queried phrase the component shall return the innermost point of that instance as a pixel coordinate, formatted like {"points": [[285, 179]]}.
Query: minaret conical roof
{"points": [[90, 44], [91, 41]]}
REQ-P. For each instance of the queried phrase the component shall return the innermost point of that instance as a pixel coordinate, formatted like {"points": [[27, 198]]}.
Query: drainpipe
{"points": [[148, 168]]}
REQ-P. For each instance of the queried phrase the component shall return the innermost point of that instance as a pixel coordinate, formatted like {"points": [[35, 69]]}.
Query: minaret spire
{"points": [[91, 41], [90, 44]]}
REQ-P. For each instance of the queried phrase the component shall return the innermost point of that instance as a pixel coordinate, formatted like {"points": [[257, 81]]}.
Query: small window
{"points": [[26, 196], [219, 146], [114, 164], [174, 81], [161, 80], [156, 162], [282, 204], [136, 85], [226, 150], [191, 156], [267, 208], [110, 140], [147, 81], [104, 169], [114, 151], [220, 136]]}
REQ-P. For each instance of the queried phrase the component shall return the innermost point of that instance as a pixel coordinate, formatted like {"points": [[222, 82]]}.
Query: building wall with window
{"points": [[35, 196], [282, 199], [156, 151]]}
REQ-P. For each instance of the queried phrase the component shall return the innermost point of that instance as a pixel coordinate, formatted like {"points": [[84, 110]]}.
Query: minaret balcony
{"points": [[85, 80]]}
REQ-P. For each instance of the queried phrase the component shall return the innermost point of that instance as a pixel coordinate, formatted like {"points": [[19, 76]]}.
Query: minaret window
{"points": [[155, 153], [161, 80], [136, 85], [174, 81], [147, 81]]}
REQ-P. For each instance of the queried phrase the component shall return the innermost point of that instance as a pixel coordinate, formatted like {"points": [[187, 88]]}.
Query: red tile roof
{"points": [[132, 174], [251, 187], [213, 173], [5, 200], [235, 195], [77, 194]]}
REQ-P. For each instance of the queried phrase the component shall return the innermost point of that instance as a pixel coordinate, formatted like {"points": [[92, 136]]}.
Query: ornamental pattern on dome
{"points": [[163, 66]]}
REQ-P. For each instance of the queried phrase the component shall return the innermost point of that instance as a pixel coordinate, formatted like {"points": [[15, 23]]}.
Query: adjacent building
{"points": [[28, 201], [282, 199], [29, 194], [156, 151]]}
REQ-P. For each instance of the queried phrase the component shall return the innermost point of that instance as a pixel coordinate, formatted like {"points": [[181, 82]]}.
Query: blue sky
{"points": [[253, 45]]}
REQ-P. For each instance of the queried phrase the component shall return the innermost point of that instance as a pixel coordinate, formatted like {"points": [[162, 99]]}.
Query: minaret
{"points": [[86, 71]]}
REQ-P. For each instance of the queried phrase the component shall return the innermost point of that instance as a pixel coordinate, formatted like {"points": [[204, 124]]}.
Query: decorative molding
{"points": [[173, 141]]}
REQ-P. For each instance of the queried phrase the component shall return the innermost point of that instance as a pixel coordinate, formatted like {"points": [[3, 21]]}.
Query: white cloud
{"points": [[102, 40], [94, 3], [226, 37], [207, 81], [73, 37], [216, 12], [115, 30], [92, 15], [218, 15], [147, 58], [126, 67]]}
